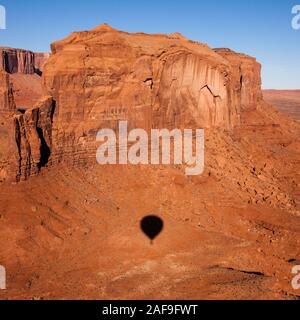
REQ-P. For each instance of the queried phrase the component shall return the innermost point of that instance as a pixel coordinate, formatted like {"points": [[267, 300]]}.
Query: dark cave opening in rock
{"points": [[44, 150]]}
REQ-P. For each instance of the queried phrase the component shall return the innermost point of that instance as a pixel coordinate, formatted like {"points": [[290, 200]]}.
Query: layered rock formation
{"points": [[246, 78], [153, 80], [17, 61], [7, 109], [102, 76], [22, 61], [99, 77], [33, 134], [24, 137]]}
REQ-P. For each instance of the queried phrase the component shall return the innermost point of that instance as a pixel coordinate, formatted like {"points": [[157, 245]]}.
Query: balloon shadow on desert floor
{"points": [[152, 226]]}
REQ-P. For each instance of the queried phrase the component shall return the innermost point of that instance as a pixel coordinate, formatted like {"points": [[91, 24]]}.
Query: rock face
{"points": [[7, 109], [22, 61], [25, 138], [7, 103], [17, 61], [153, 80], [163, 81], [40, 59], [33, 134], [99, 77], [246, 78]]}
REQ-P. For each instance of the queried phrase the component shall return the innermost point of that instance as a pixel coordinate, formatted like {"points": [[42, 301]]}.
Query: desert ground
{"points": [[287, 101]]}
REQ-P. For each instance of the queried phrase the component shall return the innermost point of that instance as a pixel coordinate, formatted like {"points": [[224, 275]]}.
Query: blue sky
{"points": [[261, 28]]}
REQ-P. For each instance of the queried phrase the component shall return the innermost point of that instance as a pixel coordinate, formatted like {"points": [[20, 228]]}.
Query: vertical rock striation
{"points": [[7, 103], [17, 61], [22, 61], [246, 78]]}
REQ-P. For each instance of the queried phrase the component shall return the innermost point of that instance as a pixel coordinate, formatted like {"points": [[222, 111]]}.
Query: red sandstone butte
{"points": [[69, 228], [148, 79], [25, 69]]}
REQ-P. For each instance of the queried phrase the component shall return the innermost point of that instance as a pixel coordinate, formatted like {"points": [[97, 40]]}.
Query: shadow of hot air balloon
{"points": [[152, 226]]}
